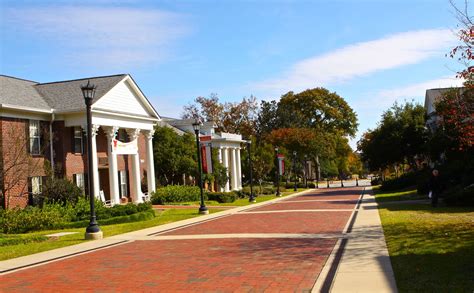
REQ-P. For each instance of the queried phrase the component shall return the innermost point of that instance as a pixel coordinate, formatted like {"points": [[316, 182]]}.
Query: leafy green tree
{"points": [[263, 161], [399, 138], [174, 155]]}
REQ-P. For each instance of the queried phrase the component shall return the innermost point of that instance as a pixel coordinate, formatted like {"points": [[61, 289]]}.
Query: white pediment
{"points": [[124, 98]]}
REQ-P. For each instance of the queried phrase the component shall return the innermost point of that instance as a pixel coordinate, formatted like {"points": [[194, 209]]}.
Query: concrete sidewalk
{"points": [[360, 262]]}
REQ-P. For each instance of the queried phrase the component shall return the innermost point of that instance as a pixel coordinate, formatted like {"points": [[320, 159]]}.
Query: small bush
{"points": [[267, 190], [311, 185], [376, 181], [222, 197], [459, 196], [61, 191], [33, 218], [175, 193]]}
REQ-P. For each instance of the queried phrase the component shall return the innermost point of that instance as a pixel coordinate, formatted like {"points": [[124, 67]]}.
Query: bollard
{"points": [[328, 183], [342, 184], [357, 181]]}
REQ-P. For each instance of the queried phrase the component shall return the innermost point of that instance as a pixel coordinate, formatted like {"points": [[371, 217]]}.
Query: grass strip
{"points": [[431, 249]]}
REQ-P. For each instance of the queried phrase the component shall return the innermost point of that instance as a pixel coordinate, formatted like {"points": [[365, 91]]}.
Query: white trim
{"points": [[99, 111], [28, 109]]}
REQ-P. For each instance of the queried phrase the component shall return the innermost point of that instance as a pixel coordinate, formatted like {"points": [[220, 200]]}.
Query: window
{"points": [[35, 137], [78, 140], [36, 184], [79, 180], [123, 183]]}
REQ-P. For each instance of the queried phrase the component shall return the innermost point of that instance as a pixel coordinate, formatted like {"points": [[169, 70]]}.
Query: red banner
{"points": [[204, 158]]}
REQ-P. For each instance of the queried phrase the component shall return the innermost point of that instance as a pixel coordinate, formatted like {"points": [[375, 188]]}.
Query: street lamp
{"points": [[196, 126], [294, 170], [306, 171], [93, 230], [252, 196], [277, 165]]}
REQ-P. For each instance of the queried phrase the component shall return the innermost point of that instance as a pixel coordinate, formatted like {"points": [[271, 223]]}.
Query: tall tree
{"points": [[174, 155], [229, 117], [399, 138]]}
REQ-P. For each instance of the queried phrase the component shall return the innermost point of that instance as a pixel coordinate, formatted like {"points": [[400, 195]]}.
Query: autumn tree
{"points": [[229, 117]]}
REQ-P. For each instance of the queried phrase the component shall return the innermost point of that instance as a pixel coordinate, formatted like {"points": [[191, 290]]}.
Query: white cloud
{"points": [[361, 59], [107, 36], [385, 98]]}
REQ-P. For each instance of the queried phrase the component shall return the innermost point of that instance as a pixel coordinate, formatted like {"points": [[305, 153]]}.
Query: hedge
{"points": [[222, 197], [176, 193]]}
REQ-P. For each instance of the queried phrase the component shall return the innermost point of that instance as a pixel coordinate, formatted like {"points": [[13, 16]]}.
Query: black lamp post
{"points": [[277, 165], [196, 126], [294, 170], [252, 196], [93, 230], [306, 170]]}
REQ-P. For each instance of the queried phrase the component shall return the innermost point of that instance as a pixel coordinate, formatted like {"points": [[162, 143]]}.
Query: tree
{"points": [[399, 138], [456, 112], [263, 160], [174, 155], [229, 117], [318, 109], [464, 52]]}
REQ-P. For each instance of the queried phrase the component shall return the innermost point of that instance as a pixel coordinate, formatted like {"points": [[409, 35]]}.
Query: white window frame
{"points": [[38, 187], [78, 136], [35, 135], [79, 178], [123, 183]]}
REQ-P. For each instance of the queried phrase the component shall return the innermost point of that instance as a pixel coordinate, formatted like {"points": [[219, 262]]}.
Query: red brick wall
{"points": [[14, 143], [17, 164]]}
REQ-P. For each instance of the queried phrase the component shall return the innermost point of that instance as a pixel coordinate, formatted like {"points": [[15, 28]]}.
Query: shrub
{"points": [[376, 181], [175, 193], [311, 185], [459, 196], [61, 191], [33, 218], [141, 216], [222, 197], [301, 185], [267, 190]]}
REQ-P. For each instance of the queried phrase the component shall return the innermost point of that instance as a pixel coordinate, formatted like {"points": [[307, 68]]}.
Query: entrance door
{"points": [[104, 182]]}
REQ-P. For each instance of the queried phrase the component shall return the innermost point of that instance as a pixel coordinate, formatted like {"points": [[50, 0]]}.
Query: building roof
{"points": [[67, 95], [20, 92], [433, 95], [60, 96]]}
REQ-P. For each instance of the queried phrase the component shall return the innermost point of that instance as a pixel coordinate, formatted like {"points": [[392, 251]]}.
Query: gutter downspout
{"points": [[51, 144]]}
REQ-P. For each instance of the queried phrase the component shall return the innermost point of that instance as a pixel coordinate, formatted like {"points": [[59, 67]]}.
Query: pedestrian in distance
{"points": [[435, 187]]}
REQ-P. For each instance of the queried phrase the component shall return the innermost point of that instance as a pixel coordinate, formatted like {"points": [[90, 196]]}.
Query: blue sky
{"points": [[372, 53]]}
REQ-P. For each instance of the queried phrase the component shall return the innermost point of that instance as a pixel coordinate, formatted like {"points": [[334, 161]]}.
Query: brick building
{"points": [[43, 133]]}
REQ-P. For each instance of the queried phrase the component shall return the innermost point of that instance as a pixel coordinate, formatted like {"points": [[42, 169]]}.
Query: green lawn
{"points": [[35, 242], [431, 249], [239, 202], [397, 195]]}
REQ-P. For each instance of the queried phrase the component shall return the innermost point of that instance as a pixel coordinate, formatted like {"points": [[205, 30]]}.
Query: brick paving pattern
{"points": [[308, 205], [187, 265], [288, 222], [207, 265]]}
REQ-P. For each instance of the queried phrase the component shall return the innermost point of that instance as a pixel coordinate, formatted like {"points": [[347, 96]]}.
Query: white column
{"points": [[95, 163], [110, 131], [225, 161], [239, 169], [150, 165], [234, 169], [137, 194]]}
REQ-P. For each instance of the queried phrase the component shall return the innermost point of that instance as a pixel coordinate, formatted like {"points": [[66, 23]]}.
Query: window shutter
{"points": [[73, 145], [120, 185], [42, 134], [84, 142], [30, 192], [27, 135], [128, 182]]}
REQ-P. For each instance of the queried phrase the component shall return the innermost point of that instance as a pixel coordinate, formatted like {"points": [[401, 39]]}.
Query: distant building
{"points": [[432, 96], [43, 122], [228, 146]]}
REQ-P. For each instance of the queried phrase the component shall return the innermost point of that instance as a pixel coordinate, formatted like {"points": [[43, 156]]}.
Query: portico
{"points": [[228, 146]]}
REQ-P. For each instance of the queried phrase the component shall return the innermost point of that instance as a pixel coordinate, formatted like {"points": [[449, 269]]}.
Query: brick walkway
{"points": [[224, 263]]}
